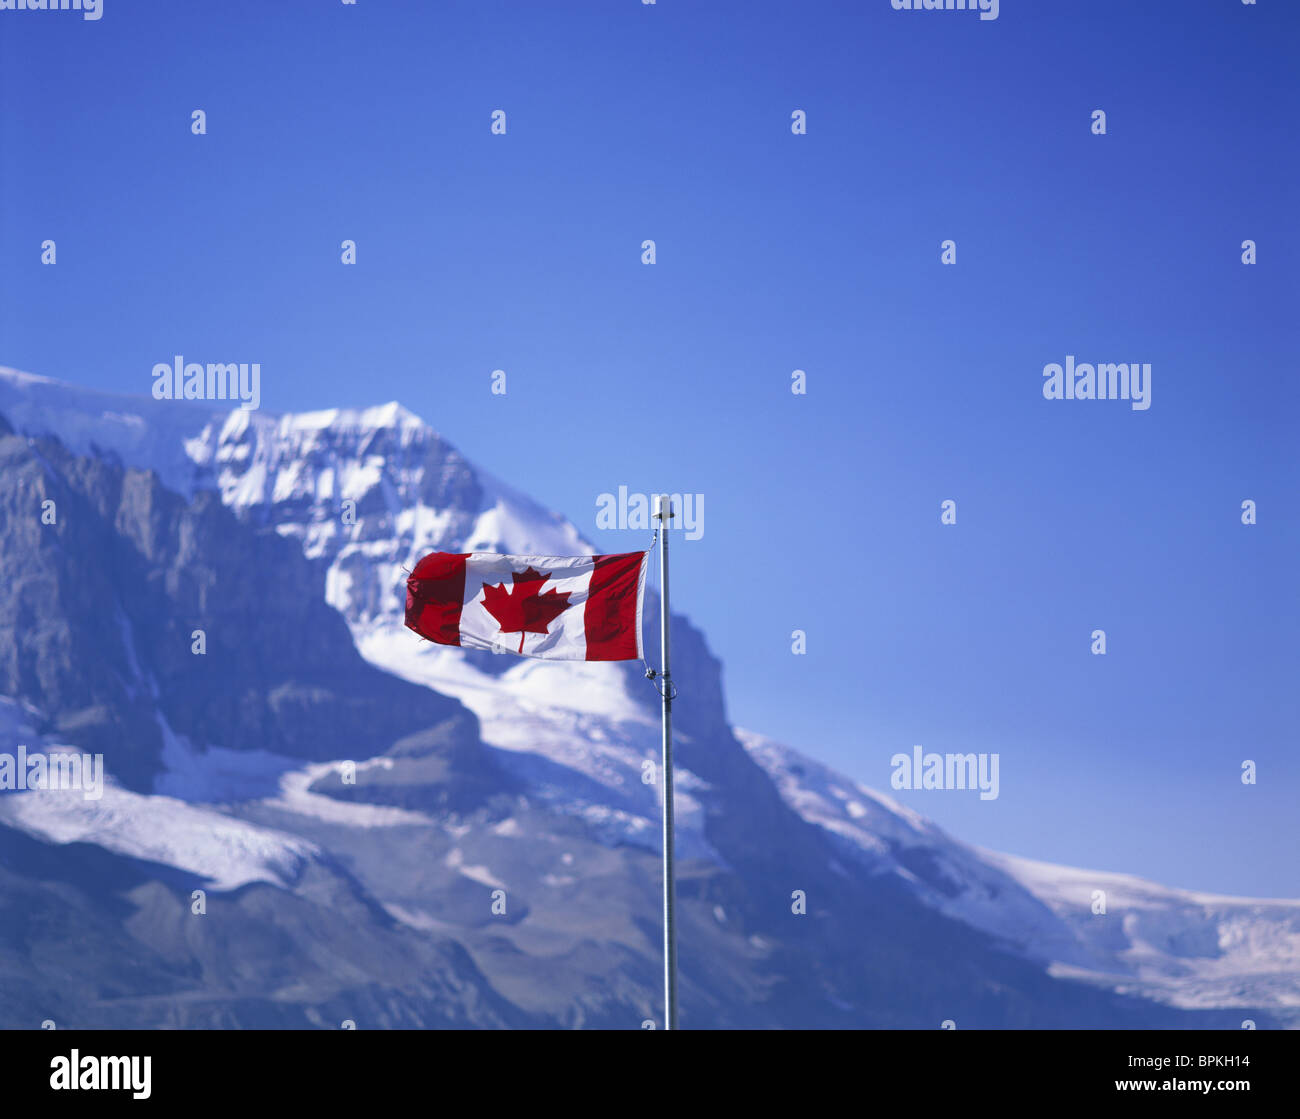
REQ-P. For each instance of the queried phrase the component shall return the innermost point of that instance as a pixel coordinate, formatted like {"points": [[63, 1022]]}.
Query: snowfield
{"points": [[1188, 949]]}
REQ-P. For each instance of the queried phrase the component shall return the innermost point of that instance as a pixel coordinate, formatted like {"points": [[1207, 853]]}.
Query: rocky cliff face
{"points": [[109, 587]]}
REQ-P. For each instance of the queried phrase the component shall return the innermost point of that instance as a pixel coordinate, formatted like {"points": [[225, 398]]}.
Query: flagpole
{"points": [[666, 688]]}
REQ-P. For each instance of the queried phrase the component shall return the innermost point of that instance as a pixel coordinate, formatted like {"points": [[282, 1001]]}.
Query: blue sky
{"points": [[775, 252]]}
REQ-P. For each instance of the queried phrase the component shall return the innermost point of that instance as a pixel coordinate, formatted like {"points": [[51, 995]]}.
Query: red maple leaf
{"points": [[522, 609]]}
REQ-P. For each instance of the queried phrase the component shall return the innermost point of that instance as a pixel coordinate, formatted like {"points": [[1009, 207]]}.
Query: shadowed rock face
{"points": [[98, 613], [92, 940]]}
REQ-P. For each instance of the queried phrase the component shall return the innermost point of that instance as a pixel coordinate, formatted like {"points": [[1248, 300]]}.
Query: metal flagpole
{"points": [[666, 690]]}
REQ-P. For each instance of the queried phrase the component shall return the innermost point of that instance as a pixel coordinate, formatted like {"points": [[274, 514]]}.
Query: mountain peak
{"points": [[390, 416]]}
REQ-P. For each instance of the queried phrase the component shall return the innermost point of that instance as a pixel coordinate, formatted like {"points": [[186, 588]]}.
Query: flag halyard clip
{"points": [[652, 676]]}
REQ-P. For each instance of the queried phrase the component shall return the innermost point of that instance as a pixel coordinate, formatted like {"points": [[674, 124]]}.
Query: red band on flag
{"points": [[612, 622], [435, 593]]}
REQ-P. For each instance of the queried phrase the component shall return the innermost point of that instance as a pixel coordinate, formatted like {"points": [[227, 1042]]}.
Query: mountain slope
{"points": [[478, 774], [1188, 949], [99, 612]]}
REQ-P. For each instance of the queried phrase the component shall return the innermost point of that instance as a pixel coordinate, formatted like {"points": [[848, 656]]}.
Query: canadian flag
{"points": [[569, 608]]}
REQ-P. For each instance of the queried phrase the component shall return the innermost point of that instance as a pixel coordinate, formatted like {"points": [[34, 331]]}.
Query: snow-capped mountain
{"points": [[1188, 949], [476, 773]]}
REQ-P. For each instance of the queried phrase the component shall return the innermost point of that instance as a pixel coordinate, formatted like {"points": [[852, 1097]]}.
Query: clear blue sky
{"points": [[775, 252]]}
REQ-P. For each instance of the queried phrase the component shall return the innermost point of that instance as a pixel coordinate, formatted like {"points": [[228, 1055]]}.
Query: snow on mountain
{"points": [[1183, 947], [228, 853], [366, 492], [219, 776], [225, 852], [183, 824], [137, 430], [580, 720], [1187, 949], [369, 492], [413, 493]]}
